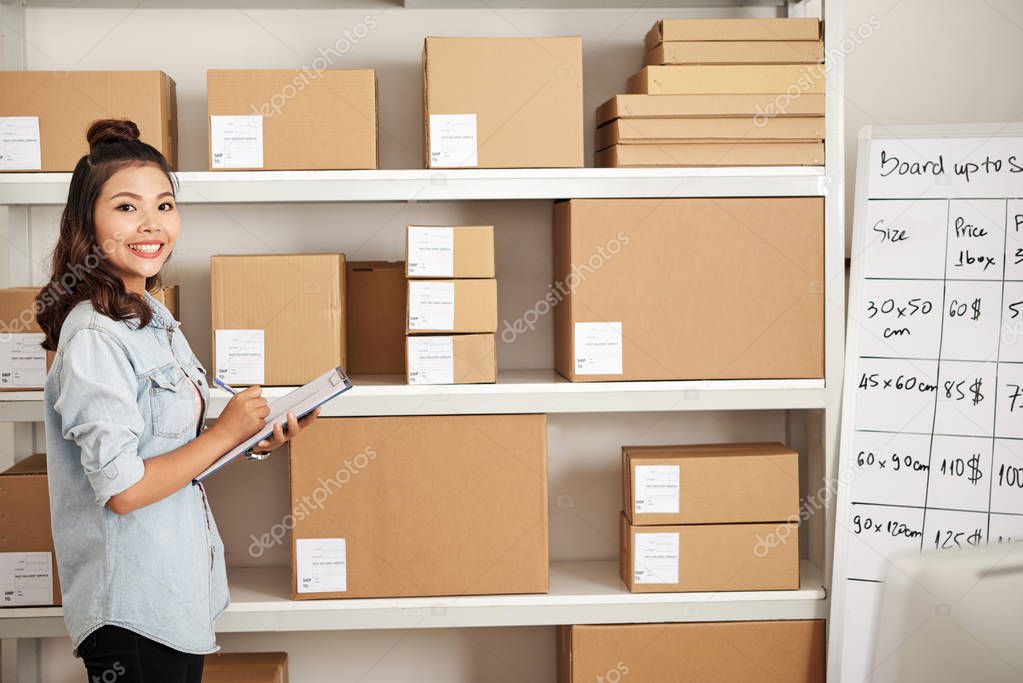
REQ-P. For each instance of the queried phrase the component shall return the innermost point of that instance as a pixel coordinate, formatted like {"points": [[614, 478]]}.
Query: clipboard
{"points": [[301, 401]]}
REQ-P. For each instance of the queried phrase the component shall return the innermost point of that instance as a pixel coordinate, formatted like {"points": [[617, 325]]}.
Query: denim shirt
{"points": [[117, 394]]}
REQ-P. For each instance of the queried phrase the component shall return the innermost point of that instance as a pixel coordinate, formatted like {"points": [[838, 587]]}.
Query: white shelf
{"points": [[586, 592], [209, 187], [401, 4]]}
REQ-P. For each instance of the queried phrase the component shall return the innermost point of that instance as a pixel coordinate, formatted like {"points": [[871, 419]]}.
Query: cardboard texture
{"points": [[703, 288], [694, 130], [526, 94], [246, 667], [712, 154], [475, 306], [669, 30], [298, 300], [473, 359], [720, 79], [719, 557], [375, 317], [717, 652], [472, 253], [762, 105], [67, 102], [426, 505], [737, 52], [326, 121], [715, 483], [25, 502]]}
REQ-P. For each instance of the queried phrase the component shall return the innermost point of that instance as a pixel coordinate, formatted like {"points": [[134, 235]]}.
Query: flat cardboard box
{"points": [[462, 251], [461, 306], [670, 30], [320, 121], [737, 52], [67, 102], [724, 288], [727, 651], [721, 79], [710, 483], [451, 359], [712, 154], [525, 94], [246, 667], [375, 317], [25, 522], [709, 557], [421, 506], [296, 300], [677, 106], [694, 130]]}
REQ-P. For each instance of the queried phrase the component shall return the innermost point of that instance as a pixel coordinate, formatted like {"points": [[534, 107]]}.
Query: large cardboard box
{"points": [[712, 154], [689, 288], [503, 102], [246, 667], [762, 105], [464, 251], [277, 319], [28, 566], [452, 306], [288, 119], [694, 130], [668, 30], [451, 359], [420, 506], [737, 52], [375, 317], [710, 484], [44, 115], [709, 557], [722, 652], [720, 79]]}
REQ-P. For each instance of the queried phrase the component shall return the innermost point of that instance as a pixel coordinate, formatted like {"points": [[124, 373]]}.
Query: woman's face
{"points": [[137, 223]]}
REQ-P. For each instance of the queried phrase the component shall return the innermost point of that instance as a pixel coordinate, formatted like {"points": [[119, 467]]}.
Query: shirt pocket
{"points": [[171, 401]]}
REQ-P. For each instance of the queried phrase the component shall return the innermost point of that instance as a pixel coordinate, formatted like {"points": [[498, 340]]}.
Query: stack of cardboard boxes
{"points": [[720, 92]]}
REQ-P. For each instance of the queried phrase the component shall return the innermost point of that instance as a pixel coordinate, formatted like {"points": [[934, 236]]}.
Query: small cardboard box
{"points": [[746, 651], [464, 251], [737, 52], [709, 557], [436, 306], [762, 105], [375, 317], [420, 505], [712, 154], [503, 102], [288, 119], [246, 667], [710, 484], [669, 30], [277, 319], [44, 115], [451, 359], [26, 544], [725, 129], [720, 79]]}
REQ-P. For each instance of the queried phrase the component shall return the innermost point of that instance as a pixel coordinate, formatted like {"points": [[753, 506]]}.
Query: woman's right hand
{"points": [[244, 414]]}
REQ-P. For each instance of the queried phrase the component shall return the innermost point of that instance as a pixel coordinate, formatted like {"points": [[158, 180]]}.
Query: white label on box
{"points": [[241, 356], [453, 140], [26, 579], [656, 488], [655, 558], [19, 143], [237, 141], [431, 306], [431, 251], [598, 348], [321, 565], [431, 360], [22, 360]]}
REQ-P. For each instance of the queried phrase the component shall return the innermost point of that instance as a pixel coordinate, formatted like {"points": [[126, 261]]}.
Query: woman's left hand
{"points": [[279, 438]]}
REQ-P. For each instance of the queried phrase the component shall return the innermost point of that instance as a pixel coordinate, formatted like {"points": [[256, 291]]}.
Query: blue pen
{"points": [[224, 385]]}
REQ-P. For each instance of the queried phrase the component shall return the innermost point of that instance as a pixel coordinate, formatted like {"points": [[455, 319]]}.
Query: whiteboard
{"points": [[932, 421]]}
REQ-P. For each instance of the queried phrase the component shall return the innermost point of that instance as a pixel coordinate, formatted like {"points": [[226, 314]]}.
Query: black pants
{"points": [[116, 655]]}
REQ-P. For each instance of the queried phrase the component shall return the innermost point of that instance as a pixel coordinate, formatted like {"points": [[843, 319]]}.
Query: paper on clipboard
{"points": [[301, 401]]}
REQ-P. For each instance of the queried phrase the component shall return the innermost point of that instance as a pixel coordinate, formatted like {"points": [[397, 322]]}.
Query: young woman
{"points": [[140, 560]]}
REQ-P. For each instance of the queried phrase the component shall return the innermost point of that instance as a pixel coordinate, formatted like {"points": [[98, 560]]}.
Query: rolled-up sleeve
{"points": [[99, 411]]}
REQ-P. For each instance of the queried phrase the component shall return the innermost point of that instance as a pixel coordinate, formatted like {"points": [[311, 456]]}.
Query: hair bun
{"points": [[111, 130]]}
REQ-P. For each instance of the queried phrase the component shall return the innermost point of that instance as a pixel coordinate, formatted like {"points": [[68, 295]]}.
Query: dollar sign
{"points": [[975, 390], [976, 309], [974, 465]]}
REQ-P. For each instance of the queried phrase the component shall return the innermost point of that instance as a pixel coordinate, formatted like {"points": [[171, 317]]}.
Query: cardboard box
{"points": [[720, 79], [710, 484], [712, 154], [503, 102], [737, 52], [689, 288], [695, 130], [451, 359], [25, 538], [286, 119], [709, 557], [452, 306], [246, 667], [669, 30], [464, 251], [747, 651], [375, 317], [169, 297], [277, 319], [420, 506], [762, 105]]}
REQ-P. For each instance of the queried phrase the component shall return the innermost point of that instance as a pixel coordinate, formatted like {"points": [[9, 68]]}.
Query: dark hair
{"points": [[79, 268]]}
